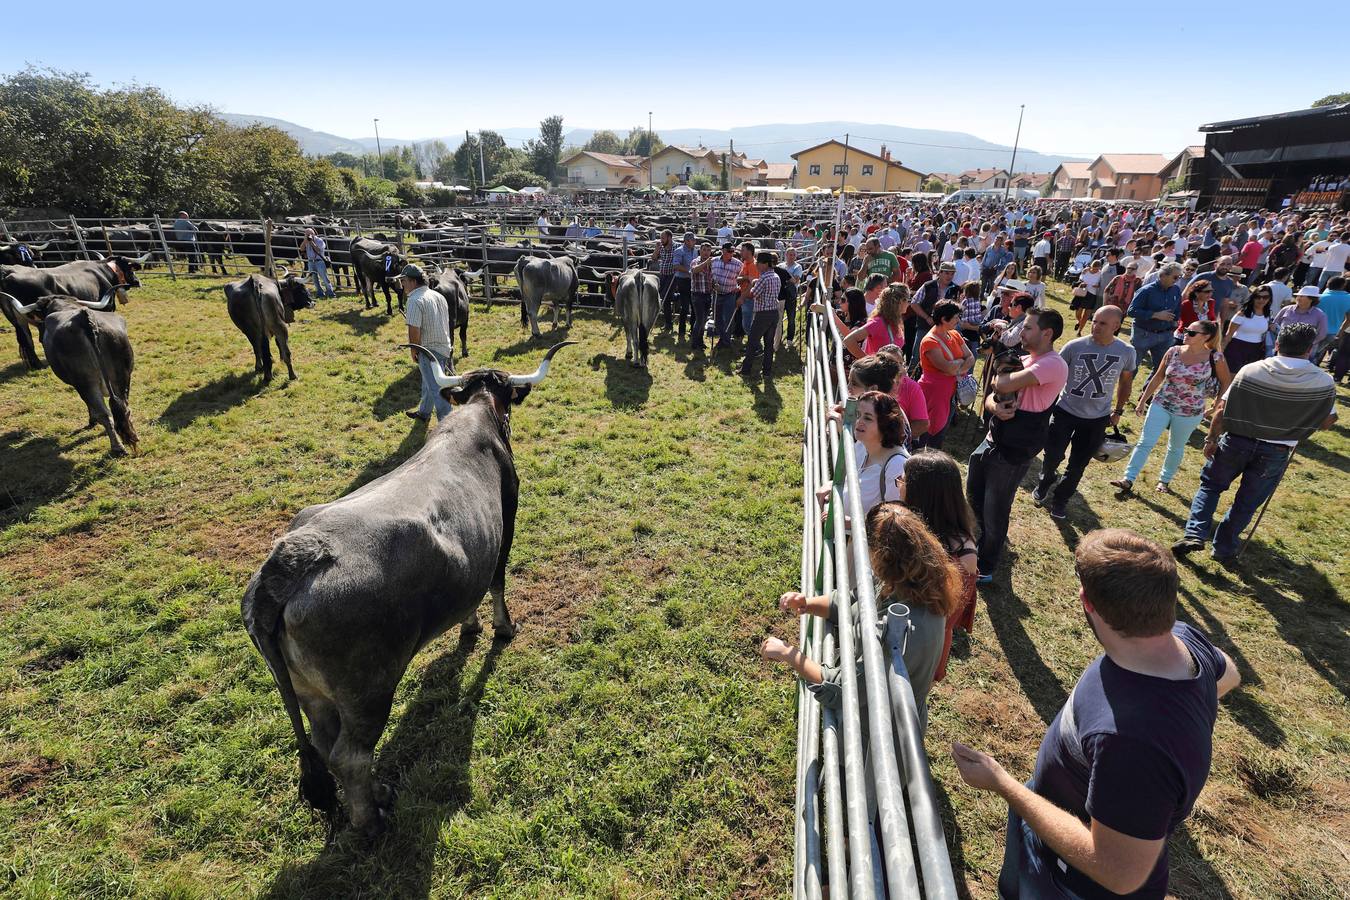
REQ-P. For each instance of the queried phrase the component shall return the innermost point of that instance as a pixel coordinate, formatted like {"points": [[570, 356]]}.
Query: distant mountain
{"points": [[924, 149], [314, 143]]}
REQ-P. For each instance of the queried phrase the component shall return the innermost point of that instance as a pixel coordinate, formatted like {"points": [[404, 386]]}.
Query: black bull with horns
{"points": [[87, 280], [355, 588]]}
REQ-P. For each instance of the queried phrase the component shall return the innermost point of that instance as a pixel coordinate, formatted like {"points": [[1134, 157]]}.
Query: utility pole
{"points": [[649, 149], [1012, 166], [482, 166], [379, 154]]}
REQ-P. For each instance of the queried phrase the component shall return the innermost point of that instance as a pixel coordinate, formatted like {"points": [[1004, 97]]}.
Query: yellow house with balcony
{"points": [[823, 166]]}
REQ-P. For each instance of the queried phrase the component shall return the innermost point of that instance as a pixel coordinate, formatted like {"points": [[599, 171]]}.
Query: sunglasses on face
{"points": [[1193, 331]]}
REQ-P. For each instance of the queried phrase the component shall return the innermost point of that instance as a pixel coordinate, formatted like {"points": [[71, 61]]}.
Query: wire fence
{"points": [[867, 822]]}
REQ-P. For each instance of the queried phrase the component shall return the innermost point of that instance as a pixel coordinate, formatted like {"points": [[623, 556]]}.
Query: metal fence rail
{"points": [[876, 790]]}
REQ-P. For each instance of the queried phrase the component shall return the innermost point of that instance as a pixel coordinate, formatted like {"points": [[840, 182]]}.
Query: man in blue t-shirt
{"points": [[1125, 759]]}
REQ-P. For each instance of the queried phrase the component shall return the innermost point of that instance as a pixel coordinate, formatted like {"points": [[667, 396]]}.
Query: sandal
{"points": [[1163, 488], [1124, 485]]}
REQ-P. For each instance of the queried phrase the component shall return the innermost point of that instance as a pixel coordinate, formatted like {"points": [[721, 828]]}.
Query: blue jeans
{"points": [[1178, 428], [322, 286], [1025, 876], [747, 314], [700, 317], [1150, 343], [432, 400], [725, 308], [1259, 464]]}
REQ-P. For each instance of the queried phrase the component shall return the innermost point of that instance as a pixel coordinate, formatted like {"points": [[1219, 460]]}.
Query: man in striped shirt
{"points": [[764, 302], [726, 269], [701, 290]]}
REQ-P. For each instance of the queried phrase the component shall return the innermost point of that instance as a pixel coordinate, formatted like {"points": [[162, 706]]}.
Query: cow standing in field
{"points": [[355, 588], [377, 264], [637, 303], [88, 348], [262, 308], [541, 279], [86, 280], [449, 284]]}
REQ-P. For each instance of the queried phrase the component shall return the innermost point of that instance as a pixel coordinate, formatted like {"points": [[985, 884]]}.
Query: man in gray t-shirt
{"points": [[1099, 365]]}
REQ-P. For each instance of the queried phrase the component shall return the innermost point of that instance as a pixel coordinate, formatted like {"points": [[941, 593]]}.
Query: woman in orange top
{"points": [[943, 355]]}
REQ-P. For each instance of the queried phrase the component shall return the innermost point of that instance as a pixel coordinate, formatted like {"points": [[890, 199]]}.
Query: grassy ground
{"points": [[628, 743]]}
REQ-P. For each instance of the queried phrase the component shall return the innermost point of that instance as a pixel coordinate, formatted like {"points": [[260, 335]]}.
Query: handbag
{"points": [[1080, 291], [967, 388]]}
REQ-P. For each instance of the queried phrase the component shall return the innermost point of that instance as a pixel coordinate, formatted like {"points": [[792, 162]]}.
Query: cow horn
{"points": [[143, 258], [40, 247], [442, 380], [105, 300], [19, 307], [540, 372], [285, 272]]}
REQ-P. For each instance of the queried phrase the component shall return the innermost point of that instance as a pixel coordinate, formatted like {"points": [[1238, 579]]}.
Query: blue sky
{"points": [[1088, 87]]}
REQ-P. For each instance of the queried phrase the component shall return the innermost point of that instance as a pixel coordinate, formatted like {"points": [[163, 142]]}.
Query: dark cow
{"points": [[450, 285], [84, 280], [21, 254], [355, 588], [636, 302], [87, 348], [213, 242], [377, 264], [262, 308], [540, 279]]}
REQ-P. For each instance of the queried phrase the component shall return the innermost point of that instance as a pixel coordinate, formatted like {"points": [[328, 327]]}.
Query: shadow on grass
{"points": [[547, 338], [1189, 874], [1312, 451], [951, 827], [36, 472], [211, 398], [411, 443], [427, 760], [768, 403], [1241, 704], [354, 319], [1039, 683], [13, 371], [1309, 612], [626, 387], [404, 393]]}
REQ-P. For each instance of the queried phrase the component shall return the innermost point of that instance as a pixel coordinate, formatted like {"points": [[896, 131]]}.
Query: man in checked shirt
{"points": [[663, 257], [726, 269], [764, 300]]}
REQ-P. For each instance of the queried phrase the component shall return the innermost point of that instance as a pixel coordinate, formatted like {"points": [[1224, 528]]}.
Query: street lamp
{"points": [[1012, 166]]}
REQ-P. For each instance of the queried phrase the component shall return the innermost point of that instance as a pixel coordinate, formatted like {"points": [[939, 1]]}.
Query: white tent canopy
{"points": [[532, 189]]}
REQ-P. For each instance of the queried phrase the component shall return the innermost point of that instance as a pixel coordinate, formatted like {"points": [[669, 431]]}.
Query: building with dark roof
{"points": [[1299, 158]]}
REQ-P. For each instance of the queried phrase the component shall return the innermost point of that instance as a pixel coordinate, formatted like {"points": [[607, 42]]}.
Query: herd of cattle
{"points": [[356, 587]]}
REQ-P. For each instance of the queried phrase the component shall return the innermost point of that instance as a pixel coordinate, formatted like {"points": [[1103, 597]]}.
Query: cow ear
{"points": [[520, 393]]}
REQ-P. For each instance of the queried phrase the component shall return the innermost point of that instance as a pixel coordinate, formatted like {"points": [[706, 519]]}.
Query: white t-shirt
{"points": [[1280, 294], [1252, 330], [1336, 255], [870, 478], [724, 234], [1042, 248], [948, 252]]}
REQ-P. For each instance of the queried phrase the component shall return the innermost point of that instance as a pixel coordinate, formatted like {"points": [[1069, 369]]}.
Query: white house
{"points": [[588, 169]]}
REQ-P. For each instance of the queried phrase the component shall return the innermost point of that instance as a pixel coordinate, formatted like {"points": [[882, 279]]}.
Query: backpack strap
{"points": [[881, 495]]}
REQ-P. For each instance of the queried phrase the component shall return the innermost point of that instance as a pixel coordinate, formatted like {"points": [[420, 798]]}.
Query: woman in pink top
{"points": [[906, 392], [885, 326]]}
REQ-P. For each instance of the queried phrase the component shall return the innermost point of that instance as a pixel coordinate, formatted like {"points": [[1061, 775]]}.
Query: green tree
{"points": [[641, 142], [604, 142], [519, 178], [544, 152], [1333, 100], [933, 185], [724, 181], [701, 182]]}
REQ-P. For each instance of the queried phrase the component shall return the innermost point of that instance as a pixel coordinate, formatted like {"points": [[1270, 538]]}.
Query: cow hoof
{"points": [[505, 632], [469, 628], [118, 451]]}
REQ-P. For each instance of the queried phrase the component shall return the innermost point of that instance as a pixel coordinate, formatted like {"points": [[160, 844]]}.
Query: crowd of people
{"points": [[1231, 315]]}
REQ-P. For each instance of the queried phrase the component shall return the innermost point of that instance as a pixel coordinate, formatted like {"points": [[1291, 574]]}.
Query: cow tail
{"points": [[642, 340], [117, 392], [520, 286], [263, 604], [264, 347]]}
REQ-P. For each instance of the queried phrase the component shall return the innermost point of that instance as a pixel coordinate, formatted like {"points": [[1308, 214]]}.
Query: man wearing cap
{"points": [[925, 300], [185, 236], [684, 258], [428, 317], [726, 270]]}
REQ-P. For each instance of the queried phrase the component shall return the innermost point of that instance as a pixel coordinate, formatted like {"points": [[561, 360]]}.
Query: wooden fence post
{"points": [[107, 241], [267, 248], [165, 245], [487, 274]]}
